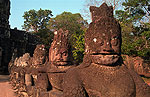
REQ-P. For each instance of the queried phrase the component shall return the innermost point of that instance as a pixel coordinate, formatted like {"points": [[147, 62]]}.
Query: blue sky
{"points": [[18, 7]]}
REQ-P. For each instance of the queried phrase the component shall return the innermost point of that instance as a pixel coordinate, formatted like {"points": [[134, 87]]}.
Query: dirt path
{"points": [[5, 88]]}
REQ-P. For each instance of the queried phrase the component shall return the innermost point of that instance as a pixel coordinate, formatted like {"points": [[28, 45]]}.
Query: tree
{"points": [[76, 26], [135, 23], [36, 20], [137, 10], [68, 21], [46, 37], [78, 46]]}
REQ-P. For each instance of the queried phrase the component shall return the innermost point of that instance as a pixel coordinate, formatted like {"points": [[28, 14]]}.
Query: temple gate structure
{"points": [[12, 39]]}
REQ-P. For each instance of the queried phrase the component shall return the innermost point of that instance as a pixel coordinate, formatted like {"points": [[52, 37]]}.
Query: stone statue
{"points": [[59, 57], [35, 80], [54, 70], [39, 56], [103, 73], [24, 76]]}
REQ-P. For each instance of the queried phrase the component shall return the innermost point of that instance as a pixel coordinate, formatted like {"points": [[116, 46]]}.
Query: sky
{"points": [[18, 7]]}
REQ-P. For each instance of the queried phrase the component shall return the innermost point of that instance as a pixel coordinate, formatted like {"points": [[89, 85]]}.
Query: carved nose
{"points": [[108, 48], [60, 57]]}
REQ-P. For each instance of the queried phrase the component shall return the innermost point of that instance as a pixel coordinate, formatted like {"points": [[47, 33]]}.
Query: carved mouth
{"points": [[62, 61], [104, 59], [105, 54]]}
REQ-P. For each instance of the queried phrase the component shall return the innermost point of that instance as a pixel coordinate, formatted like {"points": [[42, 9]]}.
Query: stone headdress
{"points": [[60, 41]]}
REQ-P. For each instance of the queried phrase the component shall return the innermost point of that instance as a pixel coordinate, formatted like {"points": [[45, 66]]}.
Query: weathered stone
{"points": [[42, 81], [44, 94], [59, 48], [55, 93], [102, 73], [24, 74], [28, 80], [59, 59], [23, 61], [137, 64], [12, 40], [39, 55]]}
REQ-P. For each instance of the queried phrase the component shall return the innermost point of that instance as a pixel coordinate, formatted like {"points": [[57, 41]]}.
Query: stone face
{"points": [[102, 73], [138, 65], [58, 52], [23, 61], [39, 55]]}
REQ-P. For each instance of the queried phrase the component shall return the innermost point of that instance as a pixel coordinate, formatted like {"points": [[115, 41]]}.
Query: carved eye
{"points": [[114, 40], [64, 53], [98, 41], [101, 42]]}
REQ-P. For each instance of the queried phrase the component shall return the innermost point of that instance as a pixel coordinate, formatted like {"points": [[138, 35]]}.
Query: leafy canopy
{"points": [[135, 23], [36, 20]]}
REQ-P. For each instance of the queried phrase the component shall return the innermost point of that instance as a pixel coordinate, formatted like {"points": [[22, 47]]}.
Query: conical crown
{"points": [[102, 11], [60, 39]]}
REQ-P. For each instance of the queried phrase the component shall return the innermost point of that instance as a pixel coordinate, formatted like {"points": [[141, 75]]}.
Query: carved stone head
{"points": [[58, 52], [103, 37], [39, 55]]}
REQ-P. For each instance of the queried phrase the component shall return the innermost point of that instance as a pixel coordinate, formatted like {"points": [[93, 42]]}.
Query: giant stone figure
{"points": [[60, 61], [103, 73]]}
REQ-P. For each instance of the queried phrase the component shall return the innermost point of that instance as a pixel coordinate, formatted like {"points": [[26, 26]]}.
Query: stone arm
{"points": [[33, 70], [72, 86], [142, 89]]}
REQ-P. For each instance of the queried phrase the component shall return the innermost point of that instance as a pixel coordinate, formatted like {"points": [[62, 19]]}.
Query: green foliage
{"points": [[135, 23], [68, 21], [35, 20], [46, 37], [76, 26], [78, 46]]}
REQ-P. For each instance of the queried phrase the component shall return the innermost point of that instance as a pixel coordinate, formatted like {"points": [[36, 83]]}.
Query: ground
{"points": [[7, 91], [5, 88]]}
